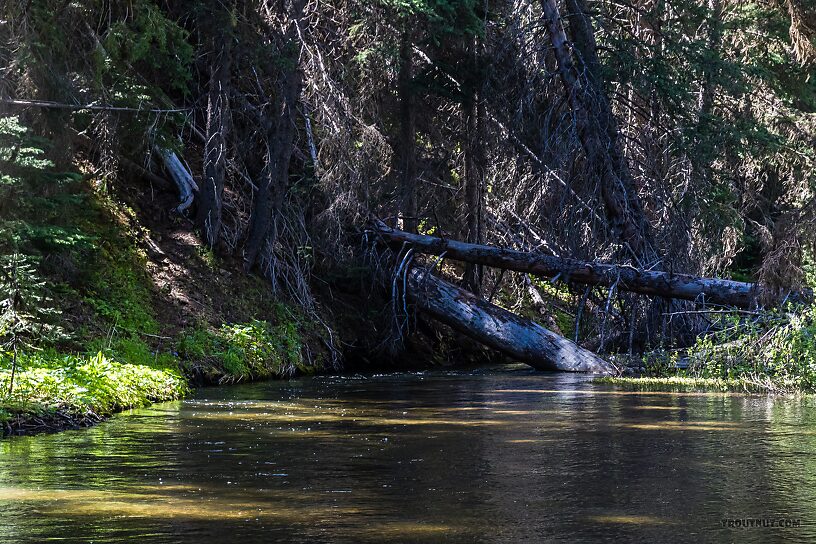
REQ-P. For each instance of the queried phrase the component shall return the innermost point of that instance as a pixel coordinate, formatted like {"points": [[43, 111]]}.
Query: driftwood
{"points": [[662, 284], [520, 338]]}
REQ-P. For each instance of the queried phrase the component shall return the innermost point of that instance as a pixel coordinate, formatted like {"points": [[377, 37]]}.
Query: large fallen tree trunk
{"points": [[520, 338], [663, 284]]}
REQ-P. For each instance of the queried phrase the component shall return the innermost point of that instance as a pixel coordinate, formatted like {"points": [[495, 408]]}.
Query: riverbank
{"points": [[770, 352], [682, 384], [110, 302], [46, 390], [57, 392]]}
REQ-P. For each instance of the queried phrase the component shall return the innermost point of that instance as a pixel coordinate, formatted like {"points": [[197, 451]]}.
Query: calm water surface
{"points": [[503, 455]]}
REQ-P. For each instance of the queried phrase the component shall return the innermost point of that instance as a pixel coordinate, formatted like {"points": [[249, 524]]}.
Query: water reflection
{"points": [[501, 456]]}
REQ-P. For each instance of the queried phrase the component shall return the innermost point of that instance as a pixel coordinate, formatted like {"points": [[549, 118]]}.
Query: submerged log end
{"points": [[573, 358]]}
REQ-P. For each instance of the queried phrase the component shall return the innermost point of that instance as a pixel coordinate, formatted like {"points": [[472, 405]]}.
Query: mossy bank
{"points": [[48, 390], [107, 304]]}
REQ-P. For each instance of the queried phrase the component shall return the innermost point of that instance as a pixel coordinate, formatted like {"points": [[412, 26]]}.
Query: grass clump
{"points": [[135, 351], [681, 384], [245, 351], [771, 351], [775, 349], [79, 387]]}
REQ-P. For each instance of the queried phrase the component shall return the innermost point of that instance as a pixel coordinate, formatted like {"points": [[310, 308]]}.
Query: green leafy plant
{"points": [[79, 386], [252, 350]]}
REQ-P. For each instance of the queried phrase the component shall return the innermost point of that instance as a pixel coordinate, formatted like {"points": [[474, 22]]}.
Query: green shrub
{"points": [[772, 351], [245, 351], [133, 350], [777, 347]]}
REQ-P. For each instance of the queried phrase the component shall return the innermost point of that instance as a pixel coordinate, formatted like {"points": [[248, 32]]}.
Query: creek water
{"points": [[497, 455]]}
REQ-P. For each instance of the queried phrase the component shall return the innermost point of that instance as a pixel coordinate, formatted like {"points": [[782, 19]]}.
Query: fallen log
{"points": [[629, 278], [520, 338], [182, 177]]}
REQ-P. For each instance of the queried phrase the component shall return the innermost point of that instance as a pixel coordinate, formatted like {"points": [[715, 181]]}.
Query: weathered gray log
{"points": [[181, 176], [662, 284], [520, 338]]}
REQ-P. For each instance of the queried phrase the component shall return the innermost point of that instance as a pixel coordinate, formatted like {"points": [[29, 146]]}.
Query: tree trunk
{"points": [[499, 329], [274, 181], [407, 170], [261, 214], [597, 129], [208, 216], [713, 41], [284, 144], [474, 166], [628, 278]]}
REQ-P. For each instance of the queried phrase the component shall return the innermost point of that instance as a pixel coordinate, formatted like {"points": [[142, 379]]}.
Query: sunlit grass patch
{"points": [[47, 384], [687, 383], [771, 351]]}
